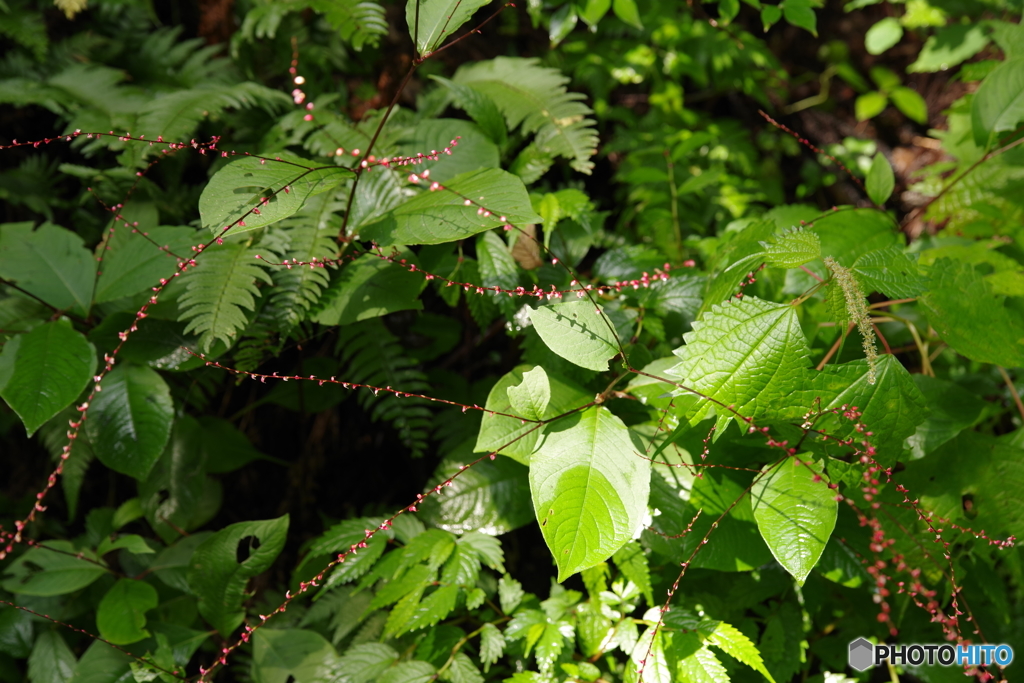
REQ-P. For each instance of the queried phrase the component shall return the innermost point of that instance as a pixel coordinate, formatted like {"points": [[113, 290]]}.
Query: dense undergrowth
{"points": [[590, 341]]}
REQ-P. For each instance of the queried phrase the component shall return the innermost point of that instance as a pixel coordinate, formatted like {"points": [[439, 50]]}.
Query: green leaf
{"points": [[731, 640], [578, 332], [133, 543], [101, 663], [628, 12], [475, 149], [880, 181], [443, 216], [275, 186], [970, 318], [135, 264], [481, 108], [121, 616], [951, 45], [792, 249], [589, 489], [889, 271], [130, 419], [795, 512], [535, 97], [998, 105], [702, 667], [497, 269], [770, 14], [530, 398], [370, 287], [52, 568], [43, 371], [510, 593], [50, 262], [51, 660], [462, 670], [292, 654], [222, 565], [217, 289], [910, 103], [799, 13], [869, 105], [592, 11], [952, 409], [632, 562], [744, 354], [431, 22], [511, 437], [883, 35], [492, 645]]}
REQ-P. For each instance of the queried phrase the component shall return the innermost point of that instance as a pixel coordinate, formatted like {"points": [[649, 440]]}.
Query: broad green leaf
{"points": [[731, 640], [589, 489], [632, 562], [121, 616], [475, 149], [702, 666], [52, 568], [883, 35], [952, 409], [577, 331], [16, 635], [44, 370], [891, 408], [370, 287], [799, 13], [130, 419], [880, 181], [997, 475], [744, 354], [50, 262], [770, 14], [628, 12], [409, 672], [950, 46], [592, 11], [910, 103], [133, 543], [177, 495], [366, 661], [846, 235], [966, 314], [889, 271], [998, 105], [492, 497], [512, 437], [222, 565], [135, 263], [530, 398], [795, 512], [51, 661], [101, 663], [272, 188], [292, 654], [869, 105], [443, 215], [792, 249], [431, 22]]}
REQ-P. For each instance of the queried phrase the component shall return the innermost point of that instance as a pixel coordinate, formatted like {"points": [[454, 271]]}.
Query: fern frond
{"points": [[217, 289], [372, 355], [535, 97], [175, 115], [359, 22], [310, 237]]}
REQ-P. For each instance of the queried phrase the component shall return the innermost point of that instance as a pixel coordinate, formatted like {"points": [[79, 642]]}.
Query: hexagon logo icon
{"points": [[862, 654]]}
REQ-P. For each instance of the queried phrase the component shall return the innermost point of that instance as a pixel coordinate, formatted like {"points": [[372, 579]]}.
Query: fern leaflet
{"points": [[217, 289]]}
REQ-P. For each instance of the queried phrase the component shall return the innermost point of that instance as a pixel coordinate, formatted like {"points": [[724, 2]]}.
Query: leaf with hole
{"points": [[222, 565]]}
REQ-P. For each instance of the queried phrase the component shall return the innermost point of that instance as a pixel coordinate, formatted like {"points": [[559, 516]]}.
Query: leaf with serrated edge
{"points": [[732, 641], [589, 489], [795, 512], [366, 661], [444, 216], [578, 332], [744, 354], [792, 249], [889, 271]]}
